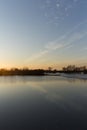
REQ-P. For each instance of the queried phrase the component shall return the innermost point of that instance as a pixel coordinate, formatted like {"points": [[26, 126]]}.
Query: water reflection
{"points": [[43, 103]]}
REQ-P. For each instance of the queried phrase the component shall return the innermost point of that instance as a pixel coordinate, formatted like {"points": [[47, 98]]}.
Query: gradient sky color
{"points": [[43, 33]]}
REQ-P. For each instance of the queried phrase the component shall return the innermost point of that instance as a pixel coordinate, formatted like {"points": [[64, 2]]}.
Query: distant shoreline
{"points": [[71, 75], [69, 70]]}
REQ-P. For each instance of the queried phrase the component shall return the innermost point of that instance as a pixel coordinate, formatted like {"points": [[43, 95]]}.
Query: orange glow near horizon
{"points": [[37, 64]]}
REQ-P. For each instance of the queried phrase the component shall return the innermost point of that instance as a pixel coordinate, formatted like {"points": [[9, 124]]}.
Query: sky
{"points": [[43, 33]]}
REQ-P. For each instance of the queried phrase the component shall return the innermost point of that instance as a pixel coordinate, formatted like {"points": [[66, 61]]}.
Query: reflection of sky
{"points": [[42, 101], [43, 33], [45, 102], [63, 93]]}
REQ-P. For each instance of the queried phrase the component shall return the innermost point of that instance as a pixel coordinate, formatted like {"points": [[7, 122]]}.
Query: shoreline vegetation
{"points": [[71, 69]]}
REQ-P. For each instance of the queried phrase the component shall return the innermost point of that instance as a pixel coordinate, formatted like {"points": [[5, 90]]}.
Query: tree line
{"points": [[74, 69], [40, 72], [19, 72]]}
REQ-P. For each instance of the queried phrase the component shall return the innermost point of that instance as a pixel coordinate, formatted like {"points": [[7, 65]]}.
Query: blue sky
{"points": [[43, 33]]}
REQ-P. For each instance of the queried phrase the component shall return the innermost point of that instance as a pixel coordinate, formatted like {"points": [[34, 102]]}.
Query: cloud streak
{"points": [[65, 41]]}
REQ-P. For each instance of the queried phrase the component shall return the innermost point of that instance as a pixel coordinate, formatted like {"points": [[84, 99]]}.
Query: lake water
{"points": [[43, 103]]}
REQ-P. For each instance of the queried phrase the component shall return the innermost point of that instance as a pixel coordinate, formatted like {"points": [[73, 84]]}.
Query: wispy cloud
{"points": [[55, 45], [84, 48], [47, 49], [37, 55], [65, 41]]}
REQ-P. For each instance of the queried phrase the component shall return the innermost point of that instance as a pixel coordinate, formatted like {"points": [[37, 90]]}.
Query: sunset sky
{"points": [[43, 33]]}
